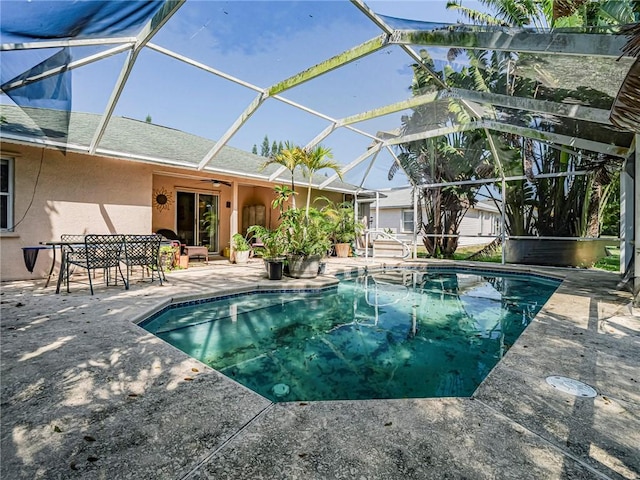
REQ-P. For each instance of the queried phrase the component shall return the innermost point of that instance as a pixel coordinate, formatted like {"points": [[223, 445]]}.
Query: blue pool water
{"points": [[393, 334]]}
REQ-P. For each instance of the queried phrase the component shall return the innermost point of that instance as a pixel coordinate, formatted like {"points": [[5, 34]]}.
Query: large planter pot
{"points": [[556, 252], [242, 256], [342, 250], [302, 266], [274, 267]]}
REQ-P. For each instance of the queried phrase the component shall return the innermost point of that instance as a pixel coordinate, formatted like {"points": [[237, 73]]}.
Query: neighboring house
{"points": [[395, 213], [142, 178]]}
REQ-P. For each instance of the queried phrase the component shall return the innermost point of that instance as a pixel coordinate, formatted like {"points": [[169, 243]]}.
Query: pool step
{"points": [[387, 248]]}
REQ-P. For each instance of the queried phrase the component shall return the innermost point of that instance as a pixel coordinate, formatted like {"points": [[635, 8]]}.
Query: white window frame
{"points": [[9, 194], [403, 221]]}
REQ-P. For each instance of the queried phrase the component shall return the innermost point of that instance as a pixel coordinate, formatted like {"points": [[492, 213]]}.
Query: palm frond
{"points": [[395, 166], [474, 15]]}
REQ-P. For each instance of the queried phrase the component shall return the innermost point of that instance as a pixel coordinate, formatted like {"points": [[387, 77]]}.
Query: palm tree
{"points": [[551, 13], [584, 198], [290, 157], [454, 157], [507, 12], [283, 193], [318, 158]]}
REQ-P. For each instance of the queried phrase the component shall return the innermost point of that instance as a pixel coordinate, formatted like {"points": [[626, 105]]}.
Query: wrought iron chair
{"points": [[143, 251], [98, 252], [171, 235]]}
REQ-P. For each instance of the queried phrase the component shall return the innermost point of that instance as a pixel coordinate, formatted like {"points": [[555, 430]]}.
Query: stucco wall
{"points": [[77, 194], [70, 193]]}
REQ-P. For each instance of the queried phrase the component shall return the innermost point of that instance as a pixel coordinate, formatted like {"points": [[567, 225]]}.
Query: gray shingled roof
{"points": [[403, 198], [137, 140]]}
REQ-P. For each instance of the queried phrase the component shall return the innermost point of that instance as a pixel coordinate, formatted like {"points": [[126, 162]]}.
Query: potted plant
{"points": [[170, 256], [307, 241], [343, 226], [241, 249], [273, 249]]}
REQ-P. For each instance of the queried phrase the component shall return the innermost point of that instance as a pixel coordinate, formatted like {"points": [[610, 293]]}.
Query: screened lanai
{"points": [[379, 83]]}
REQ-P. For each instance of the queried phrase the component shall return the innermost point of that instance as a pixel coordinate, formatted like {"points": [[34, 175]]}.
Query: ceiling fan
{"points": [[216, 183]]}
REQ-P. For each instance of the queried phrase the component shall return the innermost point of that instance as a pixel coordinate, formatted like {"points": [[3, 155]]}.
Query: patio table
{"points": [[60, 245]]}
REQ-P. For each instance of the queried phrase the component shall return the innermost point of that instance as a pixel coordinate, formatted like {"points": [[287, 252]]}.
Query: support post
{"points": [[234, 213], [415, 223], [504, 230], [377, 210], [626, 215], [636, 221]]}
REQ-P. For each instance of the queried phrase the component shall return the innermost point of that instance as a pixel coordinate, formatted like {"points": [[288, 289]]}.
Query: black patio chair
{"points": [[98, 252], [171, 235], [143, 251]]}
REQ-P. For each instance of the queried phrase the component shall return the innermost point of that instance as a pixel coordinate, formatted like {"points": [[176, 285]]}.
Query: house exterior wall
{"points": [[77, 194], [57, 193], [474, 223], [391, 218]]}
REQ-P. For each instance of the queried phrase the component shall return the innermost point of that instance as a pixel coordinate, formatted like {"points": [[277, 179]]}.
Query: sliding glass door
{"points": [[197, 219]]}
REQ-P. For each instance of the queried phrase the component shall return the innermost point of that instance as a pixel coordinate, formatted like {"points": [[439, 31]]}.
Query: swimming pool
{"points": [[397, 333]]}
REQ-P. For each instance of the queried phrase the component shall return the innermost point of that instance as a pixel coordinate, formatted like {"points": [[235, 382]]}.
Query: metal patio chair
{"points": [[98, 252], [143, 251]]}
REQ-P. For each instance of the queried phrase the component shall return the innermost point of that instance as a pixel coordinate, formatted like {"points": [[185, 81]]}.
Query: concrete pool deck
{"points": [[88, 394]]}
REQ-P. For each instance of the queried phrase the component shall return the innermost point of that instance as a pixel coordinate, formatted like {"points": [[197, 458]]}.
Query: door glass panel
{"points": [[197, 219], [185, 205], [208, 221]]}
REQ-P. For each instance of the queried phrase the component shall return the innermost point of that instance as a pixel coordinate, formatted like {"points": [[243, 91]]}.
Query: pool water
{"points": [[393, 334]]}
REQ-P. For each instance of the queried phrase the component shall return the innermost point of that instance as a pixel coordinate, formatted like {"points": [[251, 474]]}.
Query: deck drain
{"points": [[571, 386]]}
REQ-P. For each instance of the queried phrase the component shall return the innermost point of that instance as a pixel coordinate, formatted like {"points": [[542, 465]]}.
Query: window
{"points": [[407, 221], [6, 194]]}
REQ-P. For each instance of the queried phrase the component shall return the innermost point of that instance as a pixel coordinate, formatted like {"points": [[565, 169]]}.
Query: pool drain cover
{"points": [[571, 386], [280, 390]]}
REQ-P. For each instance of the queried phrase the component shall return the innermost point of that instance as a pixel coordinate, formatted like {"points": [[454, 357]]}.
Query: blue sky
{"points": [[263, 42]]}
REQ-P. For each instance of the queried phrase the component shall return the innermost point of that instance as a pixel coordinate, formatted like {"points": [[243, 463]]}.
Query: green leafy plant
{"points": [[306, 232], [240, 244], [168, 256], [210, 222], [283, 193], [272, 239], [312, 160], [342, 224], [290, 158]]}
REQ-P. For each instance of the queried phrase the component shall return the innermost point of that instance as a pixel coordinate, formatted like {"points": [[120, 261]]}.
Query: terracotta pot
{"points": [[342, 250]]}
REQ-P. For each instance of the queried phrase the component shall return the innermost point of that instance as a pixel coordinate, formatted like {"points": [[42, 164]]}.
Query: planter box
{"points": [[303, 266], [557, 253]]}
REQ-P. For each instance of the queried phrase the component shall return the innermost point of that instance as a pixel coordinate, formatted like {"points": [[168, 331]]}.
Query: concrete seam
{"points": [[227, 441], [549, 442]]}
